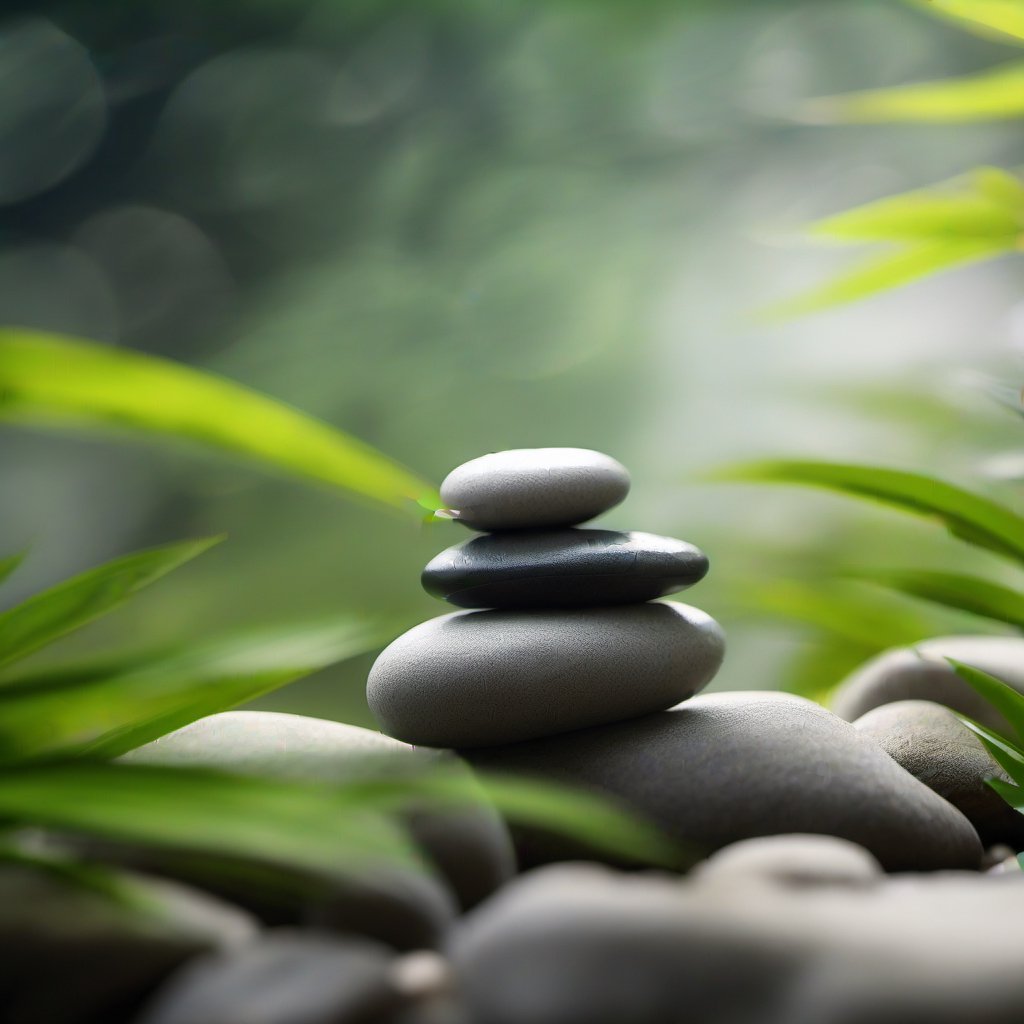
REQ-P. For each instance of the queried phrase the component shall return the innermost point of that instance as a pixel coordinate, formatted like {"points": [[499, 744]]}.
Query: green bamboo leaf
{"points": [[926, 215], [9, 564], [1006, 754], [954, 590], [1013, 795], [48, 379], [993, 94], [78, 601], [298, 825], [890, 270], [578, 814], [970, 517], [1005, 699], [104, 715], [988, 17]]}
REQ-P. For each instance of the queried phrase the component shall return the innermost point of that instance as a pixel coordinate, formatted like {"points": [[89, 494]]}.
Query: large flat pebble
{"points": [[474, 679], [525, 488], [563, 569], [729, 766]]}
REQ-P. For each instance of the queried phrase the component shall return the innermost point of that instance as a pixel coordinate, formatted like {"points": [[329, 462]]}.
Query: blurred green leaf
{"points": [[294, 824], [1013, 795], [888, 271], [994, 94], [954, 590], [48, 379], [567, 811], [1006, 754], [77, 601], [1003, 17], [970, 517], [9, 564], [1005, 699], [103, 715]]}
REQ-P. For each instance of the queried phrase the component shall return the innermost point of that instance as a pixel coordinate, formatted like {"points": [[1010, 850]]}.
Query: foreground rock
{"points": [[794, 860], [527, 488], [472, 679], [70, 954], [471, 847], [729, 766], [931, 743], [576, 944], [563, 569], [283, 978], [922, 673]]}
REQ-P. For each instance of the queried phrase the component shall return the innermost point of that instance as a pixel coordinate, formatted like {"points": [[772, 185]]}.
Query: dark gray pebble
{"points": [[474, 679], [729, 766], [282, 978], [563, 569], [70, 954], [526, 488], [931, 743], [470, 846]]}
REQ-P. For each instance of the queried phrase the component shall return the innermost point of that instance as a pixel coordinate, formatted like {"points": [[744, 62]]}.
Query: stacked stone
{"points": [[562, 630]]}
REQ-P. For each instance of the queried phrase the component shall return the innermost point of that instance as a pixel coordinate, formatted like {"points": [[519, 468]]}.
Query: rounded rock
{"points": [[930, 742], [479, 678], [729, 766], [922, 673], [71, 953], [563, 569], [282, 978], [525, 488], [470, 846], [793, 860]]}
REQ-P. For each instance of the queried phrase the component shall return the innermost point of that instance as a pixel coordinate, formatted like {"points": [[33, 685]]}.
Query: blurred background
{"points": [[452, 227]]}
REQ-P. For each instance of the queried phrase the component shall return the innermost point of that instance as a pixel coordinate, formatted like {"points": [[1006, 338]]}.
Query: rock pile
{"points": [[563, 632], [567, 668]]}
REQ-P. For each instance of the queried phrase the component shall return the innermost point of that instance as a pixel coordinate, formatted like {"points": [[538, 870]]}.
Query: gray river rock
{"points": [[526, 488], [480, 678], [469, 846], [921, 673], [729, 766]]}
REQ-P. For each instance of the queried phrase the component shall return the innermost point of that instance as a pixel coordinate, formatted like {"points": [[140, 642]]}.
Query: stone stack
{"points": [[562, 630]]}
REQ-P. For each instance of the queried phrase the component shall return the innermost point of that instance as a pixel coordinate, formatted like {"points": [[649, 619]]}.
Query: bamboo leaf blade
{"points": [[955, 590], [994, 94], [1008, 756], [49, 379], [970, 517], [9, 564], [988, 17], [76, 602], [890, 270], [102, 716], [1004, 698], [304, 826]]}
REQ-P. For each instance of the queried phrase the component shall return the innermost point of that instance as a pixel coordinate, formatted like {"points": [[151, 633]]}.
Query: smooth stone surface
{"points": [[526, 488], [794, 859], [282, 978], [729, 766], [472, 679], [931, 743], [471, 847], [563, 569], [72, 955], [576, 944], [921, 673]]}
